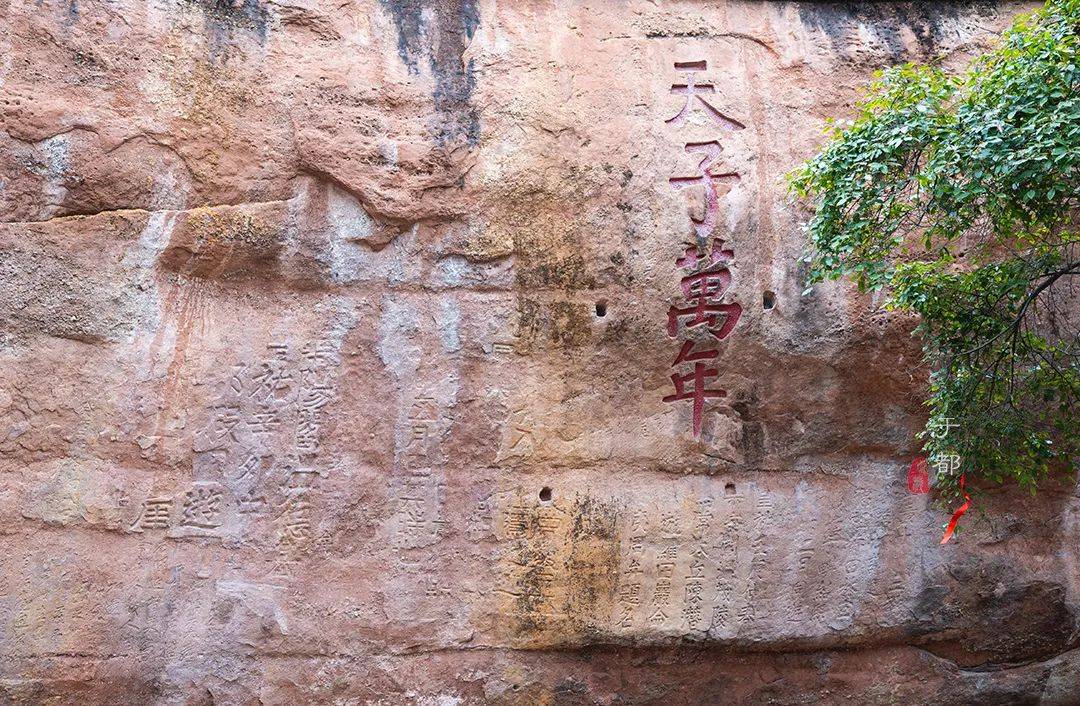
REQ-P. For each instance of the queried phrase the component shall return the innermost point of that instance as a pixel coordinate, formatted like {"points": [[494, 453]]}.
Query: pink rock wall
{"points": [[334, 348]]}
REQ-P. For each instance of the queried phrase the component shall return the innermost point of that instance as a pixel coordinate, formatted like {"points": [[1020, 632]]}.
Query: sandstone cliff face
{"points": [[334, 349]]}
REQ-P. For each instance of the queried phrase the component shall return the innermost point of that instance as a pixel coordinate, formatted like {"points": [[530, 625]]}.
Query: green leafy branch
{"points": [[958, 197]]}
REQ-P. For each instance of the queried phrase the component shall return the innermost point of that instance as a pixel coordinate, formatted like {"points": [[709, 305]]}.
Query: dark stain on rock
{"points": [[593, 564], [753, 436], [529, 322], [928, 22], [223, 19], [443, 41], [571, 324], [531, 604], [804, 311], [551, 270], [565, 564], [566, 324]]}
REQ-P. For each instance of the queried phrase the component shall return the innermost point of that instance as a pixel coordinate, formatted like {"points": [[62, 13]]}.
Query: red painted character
{"points": [[691, 257], [703, 290], [918, 477], [708, 180], [697, 391], [694, 90]]}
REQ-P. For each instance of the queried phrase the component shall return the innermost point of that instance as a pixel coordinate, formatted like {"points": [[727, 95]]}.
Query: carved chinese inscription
{"points": [[155, 514], [681, 569], [707, 276], [757, 587], [422, 441], [695, 97], [202, 507], [257, 462], [726, 556], [705, 561], [535, 534], [558, 565], [418, 496], [316, 367], [664, 569], [632, 574], [694, 588], [418, 511]]}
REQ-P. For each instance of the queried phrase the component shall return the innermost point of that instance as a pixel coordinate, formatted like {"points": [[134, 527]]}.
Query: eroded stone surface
{"points": [[334, 347]]}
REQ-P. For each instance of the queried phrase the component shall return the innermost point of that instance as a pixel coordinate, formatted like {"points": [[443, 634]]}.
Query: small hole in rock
{"points": [[768, 300], [545, 494], [601, 308], [729, 489]]}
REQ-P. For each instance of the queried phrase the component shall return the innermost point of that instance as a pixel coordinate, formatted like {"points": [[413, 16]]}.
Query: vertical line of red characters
{"points": [[706, 275]]}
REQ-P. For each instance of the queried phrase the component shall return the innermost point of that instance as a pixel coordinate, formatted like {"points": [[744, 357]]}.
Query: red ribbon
{"points": [[957, 515]]}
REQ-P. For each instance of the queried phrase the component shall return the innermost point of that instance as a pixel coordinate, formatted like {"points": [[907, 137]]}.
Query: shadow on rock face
{"points": [[985, 614], [893, 23]]}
